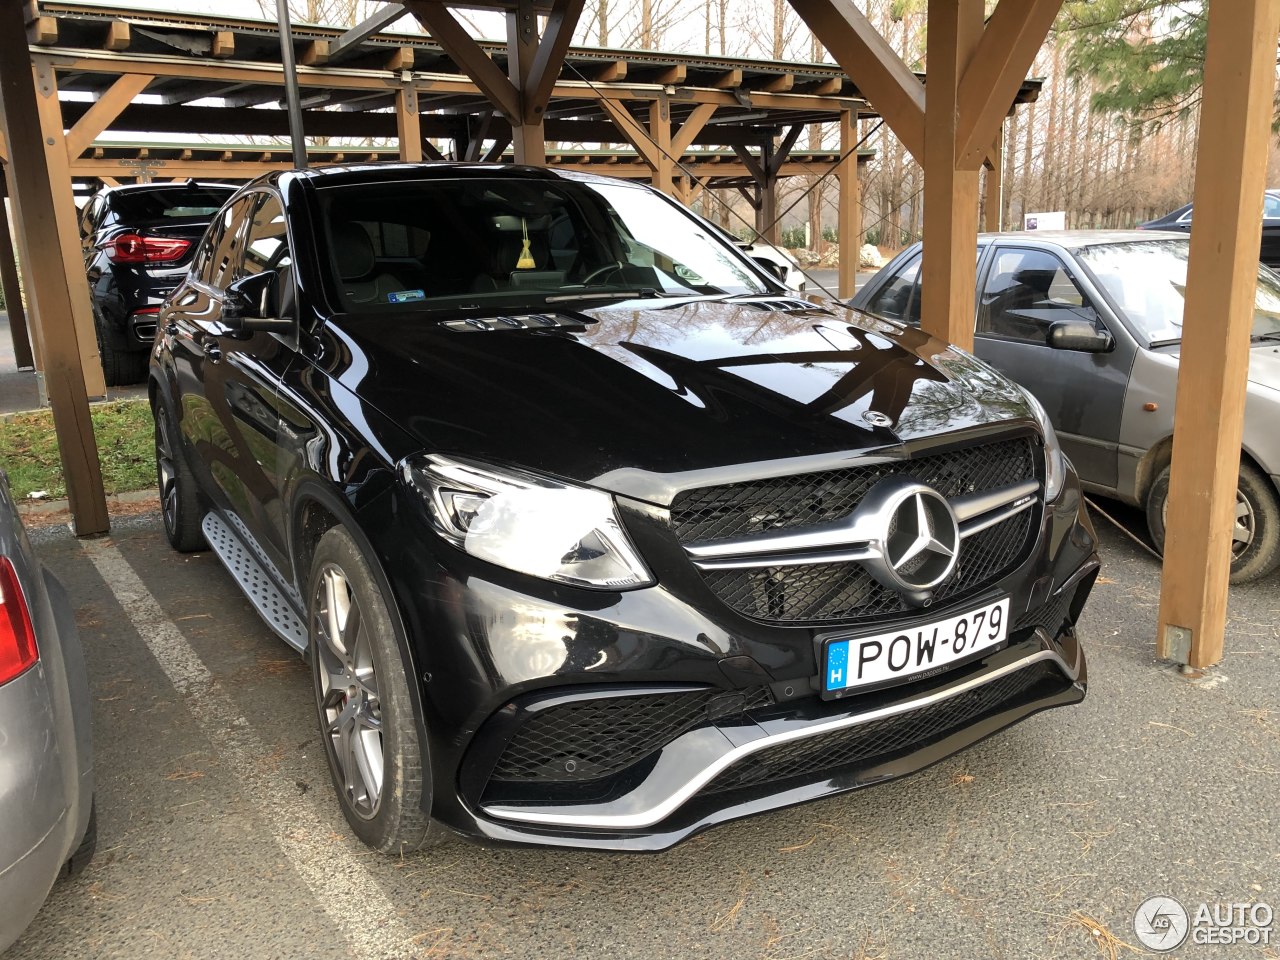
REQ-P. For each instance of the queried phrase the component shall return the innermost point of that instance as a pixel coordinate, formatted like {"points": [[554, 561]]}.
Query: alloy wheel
{"points": [[350, 707], [166, 471]]}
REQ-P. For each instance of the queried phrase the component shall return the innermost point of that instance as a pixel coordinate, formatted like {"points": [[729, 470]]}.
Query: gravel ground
{"points": [[219, 836]]}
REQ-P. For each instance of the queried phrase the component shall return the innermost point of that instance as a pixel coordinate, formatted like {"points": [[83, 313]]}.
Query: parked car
{"points": [[137, 242], [46, 763], [598, 536], [1091, 323], [1180, 220]]}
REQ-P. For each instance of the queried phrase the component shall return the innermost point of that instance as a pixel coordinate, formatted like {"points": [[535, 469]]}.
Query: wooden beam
{"points": [[671, 76], [728, 80], [42, 31], [107, 108], [783, 149], [408, 125], [993, 185], [527, 137], [13, 296], [752, 163], [1013, 36], [118, 36], [782, 83], [664, 167], [691, 127], [632, 131], [549, 59], [224, 44], [315, 54], [400, 59], [47, 216], [825, 88], [1222, 273], [468, 55], [849, 209], [947, 276], [380, 20], [612, 72], [873, 65]]}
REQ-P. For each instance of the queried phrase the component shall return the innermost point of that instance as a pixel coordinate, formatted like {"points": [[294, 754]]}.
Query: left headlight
{"points": [[528, 523], [1055, 463]]}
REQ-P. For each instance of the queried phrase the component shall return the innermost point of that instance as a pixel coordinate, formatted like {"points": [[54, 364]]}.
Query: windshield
{"points": [[518, 243], [1147, 280], [168, 203]]}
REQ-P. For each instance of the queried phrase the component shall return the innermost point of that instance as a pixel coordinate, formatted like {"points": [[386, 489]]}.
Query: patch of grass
{"points": [[124, 429]]}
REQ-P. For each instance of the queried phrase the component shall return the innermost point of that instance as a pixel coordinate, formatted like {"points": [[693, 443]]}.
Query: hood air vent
{"points": [[784, 305], [523, 321]]}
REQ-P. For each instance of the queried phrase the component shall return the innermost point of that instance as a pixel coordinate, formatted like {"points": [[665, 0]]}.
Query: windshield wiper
{"points": [[646, 293], [1172, 342], [1269, 335]]}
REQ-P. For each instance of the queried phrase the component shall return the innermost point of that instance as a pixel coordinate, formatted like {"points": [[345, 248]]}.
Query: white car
{"points": [[777, 261]]}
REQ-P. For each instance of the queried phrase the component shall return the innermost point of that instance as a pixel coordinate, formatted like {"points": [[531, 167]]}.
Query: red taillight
{"points": [[17, 637], [131, 248], [149, 311]]}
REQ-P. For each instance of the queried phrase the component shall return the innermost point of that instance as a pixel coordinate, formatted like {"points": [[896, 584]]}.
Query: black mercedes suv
{"points": [[137, 241], [593, 533]]}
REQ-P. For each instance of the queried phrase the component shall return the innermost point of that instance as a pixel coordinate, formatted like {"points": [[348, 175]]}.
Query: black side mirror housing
{"points": [[251, 304], [776, 270], [1079, 335]]}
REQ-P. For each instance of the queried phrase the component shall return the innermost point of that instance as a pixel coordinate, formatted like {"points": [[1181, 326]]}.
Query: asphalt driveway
{"points": [[219, 837]]}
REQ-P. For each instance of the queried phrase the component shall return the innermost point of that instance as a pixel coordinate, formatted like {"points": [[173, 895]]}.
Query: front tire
{"points": [[362, 698], [179, 498], [1255, 547]]}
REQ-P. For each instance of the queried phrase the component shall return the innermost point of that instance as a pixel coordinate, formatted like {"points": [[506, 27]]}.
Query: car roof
{"points": [[349, 174], [183, 185], [1074, 239]]}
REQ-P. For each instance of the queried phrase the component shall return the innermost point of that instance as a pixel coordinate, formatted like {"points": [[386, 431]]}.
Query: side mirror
{"points": [[776, 270], [251, 303], [1079, 335]]}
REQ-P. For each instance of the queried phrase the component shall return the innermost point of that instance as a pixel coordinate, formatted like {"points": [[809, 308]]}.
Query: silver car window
{"points": [[1026, 292]]}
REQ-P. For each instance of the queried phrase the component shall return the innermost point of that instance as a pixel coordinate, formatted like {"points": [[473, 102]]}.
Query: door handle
{"points": [[211, 349]]}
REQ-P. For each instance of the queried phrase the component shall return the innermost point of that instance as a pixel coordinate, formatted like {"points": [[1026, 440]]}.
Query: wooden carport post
{"points": [[47, 218], [9, 286], [1231, 163], [974, 75], [849, 209]]}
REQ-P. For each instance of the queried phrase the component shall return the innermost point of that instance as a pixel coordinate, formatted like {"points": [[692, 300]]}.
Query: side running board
{"points": [[276, 606]]}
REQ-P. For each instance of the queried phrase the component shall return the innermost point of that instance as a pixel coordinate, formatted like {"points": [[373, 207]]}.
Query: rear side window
{"points": [[168, 204], [899, 299]]}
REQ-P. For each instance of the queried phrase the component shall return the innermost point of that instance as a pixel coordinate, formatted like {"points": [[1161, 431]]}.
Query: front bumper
{"points": [[758, 737]]}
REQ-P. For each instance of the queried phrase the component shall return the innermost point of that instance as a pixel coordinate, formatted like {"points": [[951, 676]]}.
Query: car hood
{"points": [[1264, 364], [645, 388]]}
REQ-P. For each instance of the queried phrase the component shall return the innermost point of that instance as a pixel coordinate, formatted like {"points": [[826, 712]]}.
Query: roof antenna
{"points": [[193, 183]]}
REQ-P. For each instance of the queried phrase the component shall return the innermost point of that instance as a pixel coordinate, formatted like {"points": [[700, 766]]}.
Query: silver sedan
{"points": [[46, 765], [1091, 323]]}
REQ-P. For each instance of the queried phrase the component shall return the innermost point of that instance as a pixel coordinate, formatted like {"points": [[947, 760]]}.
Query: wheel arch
{"points": [[316, 509]]}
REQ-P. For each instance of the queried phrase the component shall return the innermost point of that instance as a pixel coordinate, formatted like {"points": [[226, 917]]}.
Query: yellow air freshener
{"points": [[526, 255]]}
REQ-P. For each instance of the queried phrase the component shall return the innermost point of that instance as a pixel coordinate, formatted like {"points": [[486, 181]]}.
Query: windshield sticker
{"points": [[406, 296]]}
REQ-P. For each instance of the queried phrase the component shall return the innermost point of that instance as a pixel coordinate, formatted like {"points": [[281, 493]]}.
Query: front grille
{"points": [[833, 592], [741, 509], [591, 739], [880, 739]]}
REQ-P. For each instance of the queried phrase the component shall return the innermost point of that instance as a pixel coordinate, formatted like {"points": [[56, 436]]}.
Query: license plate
{"points": [[894, 656]]}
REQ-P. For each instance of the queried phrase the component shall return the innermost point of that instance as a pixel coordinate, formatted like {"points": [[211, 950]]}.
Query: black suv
{"points": [[596, 536], [137, 242]]}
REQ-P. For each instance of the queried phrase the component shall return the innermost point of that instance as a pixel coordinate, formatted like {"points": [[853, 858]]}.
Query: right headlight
{"points": [[527, 523], [1055, 464]]}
